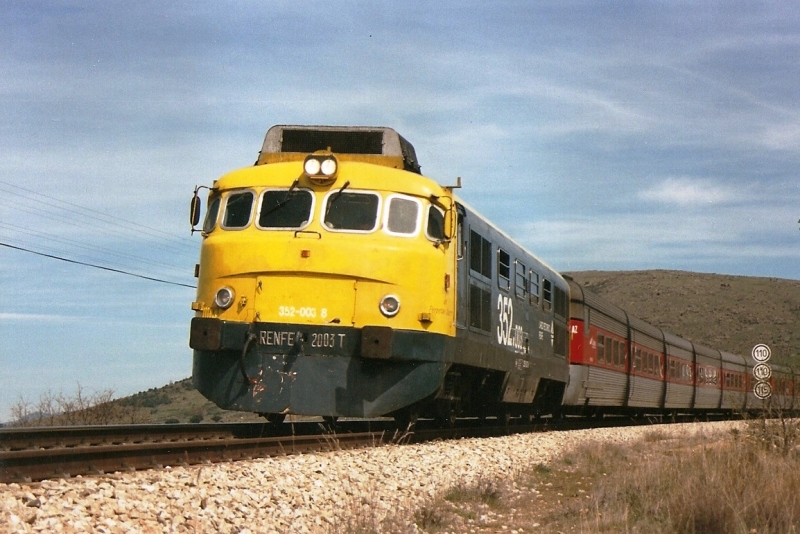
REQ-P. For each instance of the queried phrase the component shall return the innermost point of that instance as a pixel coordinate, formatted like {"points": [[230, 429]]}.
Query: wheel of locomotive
{"points": [[329, 422], [406, 418], [446, 414], [274, 418], [504, 417]]}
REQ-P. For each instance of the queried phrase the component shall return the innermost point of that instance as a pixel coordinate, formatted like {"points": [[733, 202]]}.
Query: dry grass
{"points": [[739, 482]]}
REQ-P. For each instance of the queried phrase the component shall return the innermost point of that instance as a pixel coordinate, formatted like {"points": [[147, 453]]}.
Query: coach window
{"points": [[601, 350], [403, 216], [352, 211], [521, 281], [503, 269], [238, 207], [547, 286], [534, 287], [285, 209], [637, 360], [435, 228], [211, 216]]}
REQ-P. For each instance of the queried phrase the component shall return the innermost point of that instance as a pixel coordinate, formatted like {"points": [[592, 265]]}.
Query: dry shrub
{"points": [[485, 490], [80, 408], [735, 486]]}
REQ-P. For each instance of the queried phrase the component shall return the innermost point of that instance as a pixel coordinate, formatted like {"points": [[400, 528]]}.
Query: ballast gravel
{"points": [[309, 493]]}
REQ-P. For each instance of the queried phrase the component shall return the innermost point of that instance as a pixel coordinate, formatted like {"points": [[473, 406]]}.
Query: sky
{"points": [[602, 135]]}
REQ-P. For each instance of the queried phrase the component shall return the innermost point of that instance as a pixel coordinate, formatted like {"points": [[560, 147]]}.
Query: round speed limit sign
{"points": [[762, 390], [762, 371], [761, 353]]}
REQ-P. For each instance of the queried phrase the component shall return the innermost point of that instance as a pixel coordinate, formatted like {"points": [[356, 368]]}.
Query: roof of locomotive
{"points": [[374, 144]]}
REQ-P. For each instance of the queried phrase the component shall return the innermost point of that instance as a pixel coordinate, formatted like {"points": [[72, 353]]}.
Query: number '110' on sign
{"points": [[761, 353]]}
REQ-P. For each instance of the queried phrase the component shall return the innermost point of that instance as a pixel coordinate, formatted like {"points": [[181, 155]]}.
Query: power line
{"points": [[118, 271], [125, 224]]}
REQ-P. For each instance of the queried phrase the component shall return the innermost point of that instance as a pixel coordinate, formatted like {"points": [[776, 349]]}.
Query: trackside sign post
{"points": [[762, 372]]}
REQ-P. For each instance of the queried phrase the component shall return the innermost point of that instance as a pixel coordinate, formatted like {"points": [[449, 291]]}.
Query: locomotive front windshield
{"points": [[352, 211], [342, 211], [403, 217], [237, 210], [285, 209]]}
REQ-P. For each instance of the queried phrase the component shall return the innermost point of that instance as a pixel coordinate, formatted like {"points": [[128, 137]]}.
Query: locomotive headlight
{"points": [[312, 166], [390, 305], [224, 298], [328, 166]]}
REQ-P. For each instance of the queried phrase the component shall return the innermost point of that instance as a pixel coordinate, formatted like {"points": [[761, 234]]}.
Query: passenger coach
{"points": [[621, 364]]}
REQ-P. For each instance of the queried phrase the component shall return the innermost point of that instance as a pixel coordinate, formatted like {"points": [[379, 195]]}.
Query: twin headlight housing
{"points": [[321, 167]]}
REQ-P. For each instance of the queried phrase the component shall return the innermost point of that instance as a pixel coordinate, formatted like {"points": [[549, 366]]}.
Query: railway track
{"points": [[34, 454]]}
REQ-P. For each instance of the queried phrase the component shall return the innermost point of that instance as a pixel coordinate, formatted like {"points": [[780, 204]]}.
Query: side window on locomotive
{"points": [[547, 286], [351, 211], [521, 280], [211, 216], [534, 288], [403, 216], [238, 208], [480, 254], [435, 229], [503, 269], [285, 209]]}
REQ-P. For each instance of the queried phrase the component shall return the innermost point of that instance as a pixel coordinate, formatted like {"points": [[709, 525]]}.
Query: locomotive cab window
{"points": [[403, 216], [351, 211], [285, 209], [435, 229], [238, 207], [211, 216]]}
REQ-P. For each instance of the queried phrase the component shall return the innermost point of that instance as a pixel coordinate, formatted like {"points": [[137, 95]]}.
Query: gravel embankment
{"points": [[309, 493]]}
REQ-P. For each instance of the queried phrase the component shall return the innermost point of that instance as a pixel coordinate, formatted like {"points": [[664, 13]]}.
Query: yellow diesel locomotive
{"points": [[336, 280]]}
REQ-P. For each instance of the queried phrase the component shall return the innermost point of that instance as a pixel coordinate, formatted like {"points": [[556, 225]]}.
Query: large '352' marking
{"points": [[509, 334]]}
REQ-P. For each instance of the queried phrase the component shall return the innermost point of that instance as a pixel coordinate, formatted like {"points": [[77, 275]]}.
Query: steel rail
{"points": [[29, 455]]}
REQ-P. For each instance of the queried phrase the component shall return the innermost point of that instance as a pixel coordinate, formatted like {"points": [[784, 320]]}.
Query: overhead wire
{"points": [[73, 218], [119, 271]]}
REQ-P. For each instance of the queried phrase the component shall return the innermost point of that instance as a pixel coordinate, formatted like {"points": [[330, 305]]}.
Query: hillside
{"points": [[732, 313]]}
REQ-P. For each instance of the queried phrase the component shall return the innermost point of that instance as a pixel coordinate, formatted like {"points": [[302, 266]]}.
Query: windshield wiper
{"points": [[339, 192], [286, 199]]}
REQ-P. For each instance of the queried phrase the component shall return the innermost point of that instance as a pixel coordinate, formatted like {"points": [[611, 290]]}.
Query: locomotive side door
{"points": [[462, 269]]}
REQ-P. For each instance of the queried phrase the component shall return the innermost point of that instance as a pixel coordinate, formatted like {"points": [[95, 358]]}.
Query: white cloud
{"points": [[688, 192], [27, 317]]}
